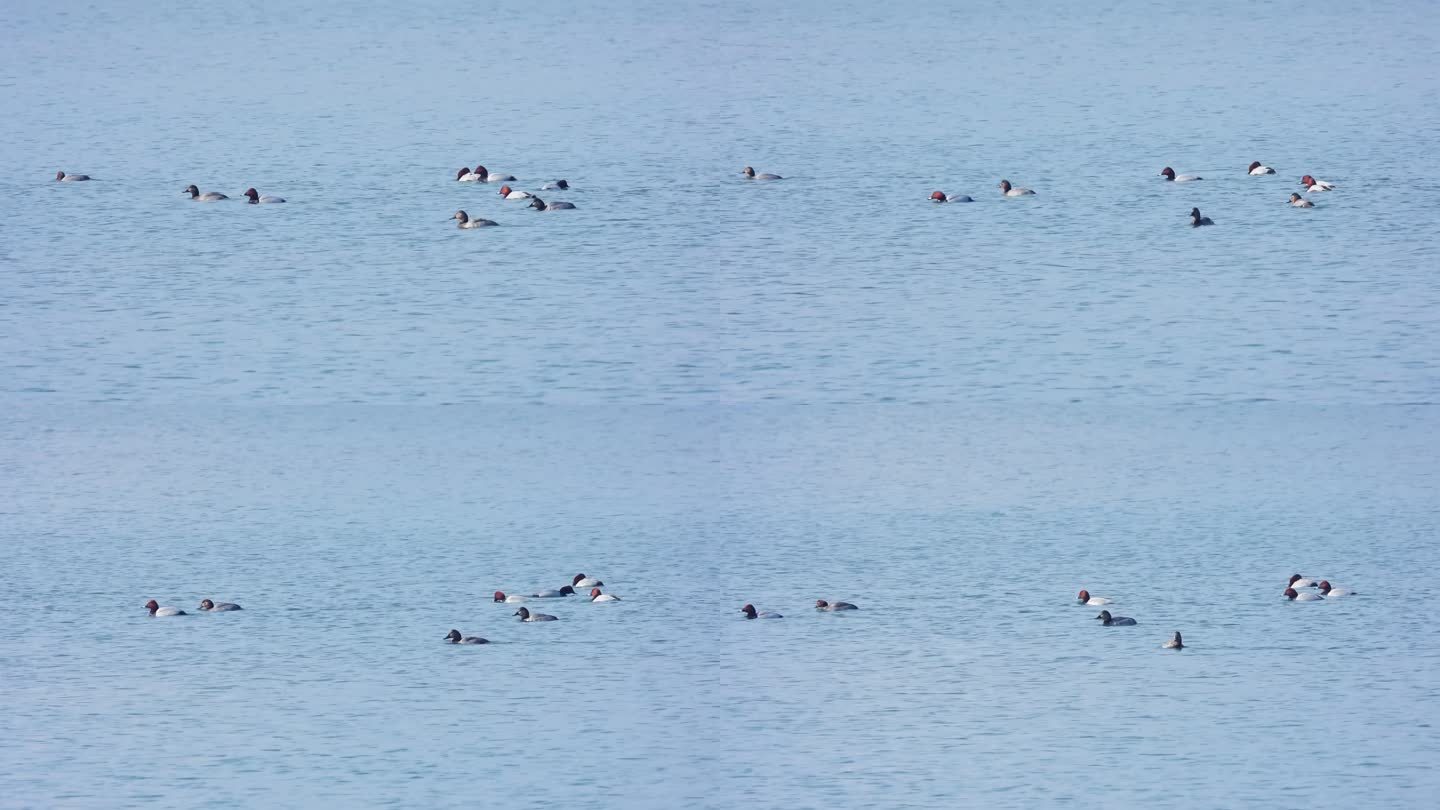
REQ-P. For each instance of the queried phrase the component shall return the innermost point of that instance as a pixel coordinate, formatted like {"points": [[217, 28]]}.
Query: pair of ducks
{"points": [[1005, 189], [205, 604], [251, 195], [467, 223], [820, 605], [1108, 620]]}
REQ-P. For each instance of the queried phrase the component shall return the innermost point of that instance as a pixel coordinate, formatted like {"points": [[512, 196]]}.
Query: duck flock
{"points": [[1298, 589], [480, 174]]}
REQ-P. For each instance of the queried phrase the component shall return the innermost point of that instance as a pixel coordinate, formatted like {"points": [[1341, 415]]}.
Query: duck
{"points": [[1297, 581], [1196, 220], [540, 205], [1174, 643], [486, 176], [556, 185], [454, 637], [156, 610], [750, 613], [750, 174], [1296, 596], [1297, 201], [221, 607], [1332, 593], [254, 197], [62, 177], [582, 581], [467, 223], [1009, 191], [831, 607], [209, 196], [552, 593], [942, 197], [467, 176], [1114, 621], [501, 597], [597, 596], [511, 194], [526, 616], [1085, 598], [1256, 168], [1311, 184], [1169, 174]]}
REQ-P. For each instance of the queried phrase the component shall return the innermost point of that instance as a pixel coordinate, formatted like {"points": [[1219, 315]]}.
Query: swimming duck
{"points": [[1295, 596], [254, 197], [1300, 202], [1297, 581], [1196, 220], [70, 178], [553, 185], [501, 597], [1332, 593], [156, 610], [1313, 185], [1257, 169], [751, 175], [454, 637], [750, 613], [1114, 621], [487, 177], [582, 581], [1085, 598], [1174, 643], [209, 196], [540, 205], [597, 596], [1009, 191], [942, 197], [831, 607], [222, 607], [526, 616], [1169, 174], [467, 223], [552, 593], [512, 194], [467, 176]]}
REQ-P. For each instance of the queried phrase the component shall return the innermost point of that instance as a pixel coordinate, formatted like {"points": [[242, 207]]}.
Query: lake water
{"points": [[358, 421]]}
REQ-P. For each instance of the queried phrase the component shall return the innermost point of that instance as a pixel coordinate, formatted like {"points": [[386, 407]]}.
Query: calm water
{"points": [[358, 421]]}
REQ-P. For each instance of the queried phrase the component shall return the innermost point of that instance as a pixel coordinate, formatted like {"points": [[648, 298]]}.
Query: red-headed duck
{"points": [[1295, 596], [526, 616], [1011, 191], [156, 610], [1196, 220], [454, 637], [1297, 581], [750, 174], [942, 197], [467, 176], [597, 596], [511, 194], [1085, 598], [582, 581], [1300, 202], [486, 176], [70, 178], [831, 607], [1114, 621], [220, 607], [1332, 593], [1174, 643], [540, 205], [466, 223], [556, 185], [501, 597], [553, 593], [751, 613], [1257, 169], [1315, 186], [1169, 174], [254, 197], [209, 196]]}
